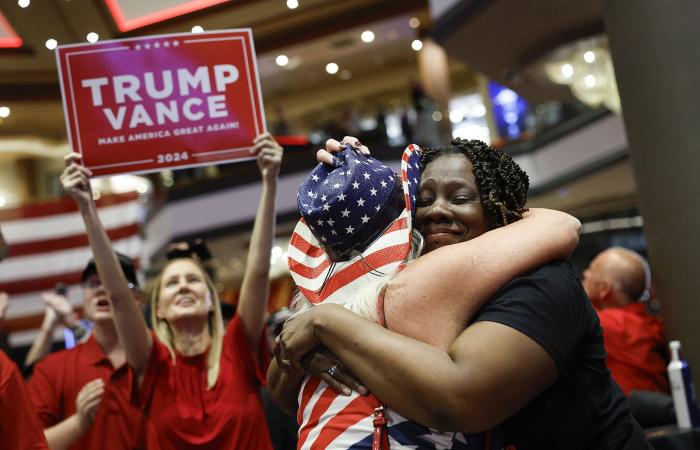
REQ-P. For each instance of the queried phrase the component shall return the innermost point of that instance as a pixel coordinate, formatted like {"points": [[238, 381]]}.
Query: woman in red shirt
{"points": [[199, 383]]}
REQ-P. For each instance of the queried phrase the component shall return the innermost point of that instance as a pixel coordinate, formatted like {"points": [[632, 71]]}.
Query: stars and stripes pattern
{"points": [[331, 421], [338, 205]]}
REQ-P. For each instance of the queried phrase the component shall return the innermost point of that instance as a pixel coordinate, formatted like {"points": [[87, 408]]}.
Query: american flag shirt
{"points": [[333, 421], [338, 204]]}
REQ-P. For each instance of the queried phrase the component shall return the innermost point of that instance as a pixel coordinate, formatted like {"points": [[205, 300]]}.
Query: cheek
{"points": [[472, 216]]}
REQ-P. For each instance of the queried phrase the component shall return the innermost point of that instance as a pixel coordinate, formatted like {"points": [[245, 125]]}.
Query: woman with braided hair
{"points": [[530, 362]]}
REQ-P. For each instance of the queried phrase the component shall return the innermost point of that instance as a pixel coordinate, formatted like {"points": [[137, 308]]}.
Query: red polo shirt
{"points": [[635, 345], [19, 425], [185, 414], [58, 378]]}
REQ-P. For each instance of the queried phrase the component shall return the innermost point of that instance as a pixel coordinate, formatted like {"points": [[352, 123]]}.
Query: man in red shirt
{"points": [[19, 426], [83, 394], [634, 341]]}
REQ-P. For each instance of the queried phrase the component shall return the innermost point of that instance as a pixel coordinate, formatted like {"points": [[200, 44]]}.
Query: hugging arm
{"points": [[490, 372], [128, 318], [437, 294]]}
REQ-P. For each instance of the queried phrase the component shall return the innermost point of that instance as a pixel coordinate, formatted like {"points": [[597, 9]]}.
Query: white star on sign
{"points": [[315, 177], [326, 207], [323, 238], [323, 198], [377, 208], [345, 212], [341, 197], [355, 185], [310, 193], [383, 183], [349, 230], [364, 218], [336, 185], [333, 232], [366, 174], [373, 191], [319, 222], [330, 222], [361, 202]]}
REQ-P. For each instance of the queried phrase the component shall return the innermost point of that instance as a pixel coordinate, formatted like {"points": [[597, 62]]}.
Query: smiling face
{"points": [[183, 292], [448, 207]]}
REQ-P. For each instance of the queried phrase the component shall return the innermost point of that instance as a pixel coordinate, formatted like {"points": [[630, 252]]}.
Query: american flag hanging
{"points": [[48, 245]]}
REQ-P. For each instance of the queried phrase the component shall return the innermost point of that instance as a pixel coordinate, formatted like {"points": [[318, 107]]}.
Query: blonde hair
{"points": [[161, 327]]}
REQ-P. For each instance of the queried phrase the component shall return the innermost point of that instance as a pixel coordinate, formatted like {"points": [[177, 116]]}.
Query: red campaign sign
{"points": [[171, 101]]}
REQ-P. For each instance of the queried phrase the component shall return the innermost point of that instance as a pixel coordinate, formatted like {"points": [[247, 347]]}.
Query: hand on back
{"points": [[333, 147]]}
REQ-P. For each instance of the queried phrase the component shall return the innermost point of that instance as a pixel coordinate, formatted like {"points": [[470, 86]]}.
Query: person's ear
{"points": [[208, 301], [606, 292], [159, 312]]}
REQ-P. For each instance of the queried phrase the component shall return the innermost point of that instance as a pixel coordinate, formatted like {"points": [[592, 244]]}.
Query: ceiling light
{"points": [[437, 116], [414, 22], [93, 37], [2, 199], [51, 44], [332, 68], [417, 44], [456, 116], [589, 56], [4, 111], [282, 60], [292, 4], [586, 67], [197, 29], [367, 36], [23, 3]]}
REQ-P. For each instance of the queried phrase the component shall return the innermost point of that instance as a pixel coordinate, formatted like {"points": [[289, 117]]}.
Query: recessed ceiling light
{"points": [[332, 68], [282, 60], [589, 56], [197, 29], [51, 44], [93, 37], [417, 44], [292, 4], [23, 3], [4, 111], [414, 22], [367, 36]]}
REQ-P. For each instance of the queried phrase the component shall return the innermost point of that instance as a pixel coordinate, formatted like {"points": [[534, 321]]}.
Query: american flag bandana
{"points": [[356, 220]]}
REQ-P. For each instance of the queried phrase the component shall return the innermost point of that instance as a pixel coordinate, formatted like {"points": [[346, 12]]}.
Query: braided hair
{"points": [[501, 182]]}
